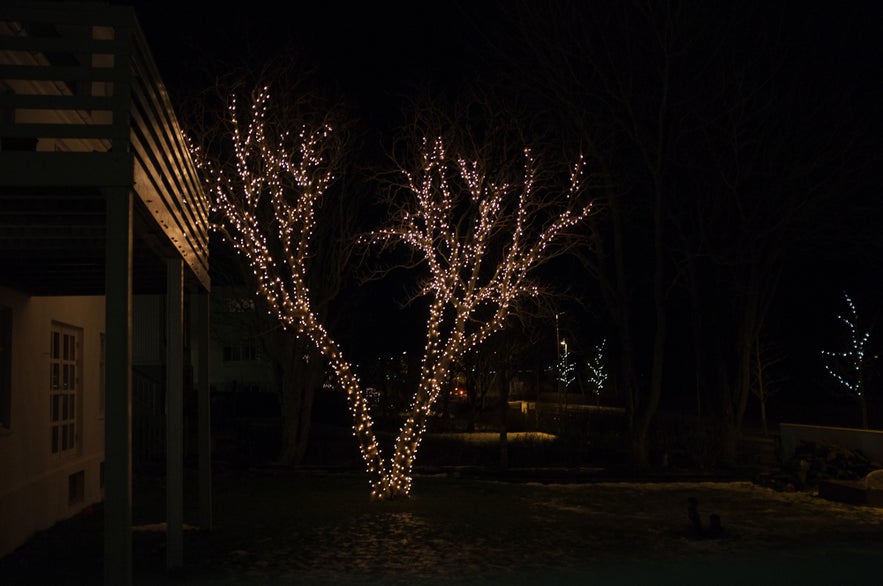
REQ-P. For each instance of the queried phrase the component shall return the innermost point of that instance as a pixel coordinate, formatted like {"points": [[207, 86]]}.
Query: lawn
{"points": [[320, 528]]}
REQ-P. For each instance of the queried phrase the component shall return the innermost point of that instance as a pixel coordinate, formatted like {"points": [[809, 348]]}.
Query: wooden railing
{"points": [[82, 104]]}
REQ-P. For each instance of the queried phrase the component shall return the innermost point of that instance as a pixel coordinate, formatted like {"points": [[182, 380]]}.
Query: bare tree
{"points": [[764, 171], [607, 77], [765, 384], [715, 168], [480, 372], [492, 369]]}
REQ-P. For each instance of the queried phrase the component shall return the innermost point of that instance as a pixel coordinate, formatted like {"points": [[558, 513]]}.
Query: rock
{"points": [[697, 530], [693, 516]]}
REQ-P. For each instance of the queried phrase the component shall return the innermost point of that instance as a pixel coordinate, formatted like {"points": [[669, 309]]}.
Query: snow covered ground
{"points": [[321, 529], [466, 531]]}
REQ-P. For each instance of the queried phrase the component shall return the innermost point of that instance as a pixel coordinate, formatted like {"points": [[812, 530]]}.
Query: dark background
{"points": [[375, 56]]}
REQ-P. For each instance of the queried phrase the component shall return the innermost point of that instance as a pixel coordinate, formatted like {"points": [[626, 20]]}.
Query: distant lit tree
{"points": [[849, 366], [565, 368], [478, 232], [598, 371]]}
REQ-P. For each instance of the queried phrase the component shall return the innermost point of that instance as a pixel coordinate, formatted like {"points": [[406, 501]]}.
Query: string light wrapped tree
{"points": [[851, 362], [478, 236]]}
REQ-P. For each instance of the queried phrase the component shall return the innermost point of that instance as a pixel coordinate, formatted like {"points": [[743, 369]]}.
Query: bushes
{"points": [[816, 461], [685, 442]]}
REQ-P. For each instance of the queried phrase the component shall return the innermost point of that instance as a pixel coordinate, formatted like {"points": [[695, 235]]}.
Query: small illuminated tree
{"points": [[849, 371], [478, 235], [598, 371], [566, 368]]}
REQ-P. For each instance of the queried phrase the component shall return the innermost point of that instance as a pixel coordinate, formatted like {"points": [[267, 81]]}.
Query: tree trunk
{"points": [[727, 437], [763, 416], [647, 411], [640, 459], [504, 437], [300, 379], [735, 393], [761, 390], [863, 399]]}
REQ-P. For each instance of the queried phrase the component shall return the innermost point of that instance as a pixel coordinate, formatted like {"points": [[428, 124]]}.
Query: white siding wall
{"points": [[34, 482]]}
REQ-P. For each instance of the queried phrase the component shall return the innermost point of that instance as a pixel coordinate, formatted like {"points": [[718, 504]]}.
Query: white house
{"points": [[100, 204], [52, 432]]}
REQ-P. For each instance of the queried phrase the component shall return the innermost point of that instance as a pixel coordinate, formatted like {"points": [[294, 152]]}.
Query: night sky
{"points": [[828, 58]]}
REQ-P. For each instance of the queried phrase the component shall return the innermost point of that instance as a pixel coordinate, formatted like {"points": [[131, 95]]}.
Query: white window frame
{"points": [[102, 341], [65, 389]]}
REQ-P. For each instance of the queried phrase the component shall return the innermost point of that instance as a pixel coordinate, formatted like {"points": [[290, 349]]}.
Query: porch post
{"points": [[174, 413], [118, 384], [201, 340]]}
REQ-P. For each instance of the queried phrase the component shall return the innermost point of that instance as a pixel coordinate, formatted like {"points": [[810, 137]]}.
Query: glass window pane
{"points": [[55, 344], [64, 406], [73, 411], [54, 438], [66, 351], [70, 431], [63, 437], [53, 378]]}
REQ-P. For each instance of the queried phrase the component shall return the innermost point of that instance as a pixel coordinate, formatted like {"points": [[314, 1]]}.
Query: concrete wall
{"points": [[868, 441], [34, 483]]}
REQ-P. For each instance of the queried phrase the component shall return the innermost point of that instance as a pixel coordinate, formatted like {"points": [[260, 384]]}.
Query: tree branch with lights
{"points": [[479, 235], [265, 199]]}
